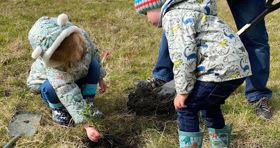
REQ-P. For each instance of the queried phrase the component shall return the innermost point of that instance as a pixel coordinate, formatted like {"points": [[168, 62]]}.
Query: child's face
{"points": [[153, 16]]}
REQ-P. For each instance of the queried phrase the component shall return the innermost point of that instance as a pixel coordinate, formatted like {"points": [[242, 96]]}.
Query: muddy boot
{"points": [[263, 109], [220, 138], [190, 139]]}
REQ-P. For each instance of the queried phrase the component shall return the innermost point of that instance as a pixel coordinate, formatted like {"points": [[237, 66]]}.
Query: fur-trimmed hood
{"points": [[47, 34]]}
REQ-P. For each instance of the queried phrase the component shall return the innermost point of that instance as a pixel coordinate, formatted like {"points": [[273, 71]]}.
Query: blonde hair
{"points": [[71, 50]]}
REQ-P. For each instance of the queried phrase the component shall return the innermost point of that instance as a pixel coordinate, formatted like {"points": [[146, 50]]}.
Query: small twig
{"points": [[104, 56]]}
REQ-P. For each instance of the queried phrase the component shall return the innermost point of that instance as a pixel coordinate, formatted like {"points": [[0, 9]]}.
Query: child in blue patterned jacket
{"points": [[210, 62], [66, 70]]}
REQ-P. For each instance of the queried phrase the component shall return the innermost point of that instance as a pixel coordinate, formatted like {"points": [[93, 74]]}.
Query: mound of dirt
{"points": [[152, 102], [114, 140], [143, 102], [109, 141]]}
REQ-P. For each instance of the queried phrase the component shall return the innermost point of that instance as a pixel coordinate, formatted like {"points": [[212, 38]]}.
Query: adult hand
{"points": [[92, 133], [102, 86], [179, 101]]}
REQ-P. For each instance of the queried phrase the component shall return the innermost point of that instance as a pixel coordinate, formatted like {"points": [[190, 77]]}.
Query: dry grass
{"points": [[132, 44]]}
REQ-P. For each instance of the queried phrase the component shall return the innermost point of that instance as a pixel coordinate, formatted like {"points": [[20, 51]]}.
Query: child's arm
{"points": [[36, 76], [180, 34], [179, 101], [68, 93], [102, 85], [92, 133]]}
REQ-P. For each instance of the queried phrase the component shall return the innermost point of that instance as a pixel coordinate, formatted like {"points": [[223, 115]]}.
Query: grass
{"points": [[133, 45]]}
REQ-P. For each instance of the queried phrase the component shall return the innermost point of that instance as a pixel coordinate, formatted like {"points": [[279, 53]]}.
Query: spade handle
{"points": [[11, 143]]}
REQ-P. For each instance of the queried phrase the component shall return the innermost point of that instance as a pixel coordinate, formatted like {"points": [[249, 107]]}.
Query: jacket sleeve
{"points": [[180, 34], [68, 93], [36, 76], [92, 49]]}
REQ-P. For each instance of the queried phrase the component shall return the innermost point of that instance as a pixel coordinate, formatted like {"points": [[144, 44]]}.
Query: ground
{"points": [[133, 45]]}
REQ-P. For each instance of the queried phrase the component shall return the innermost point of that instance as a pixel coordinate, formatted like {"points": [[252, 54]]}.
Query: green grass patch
{"points": [[133, 45]]}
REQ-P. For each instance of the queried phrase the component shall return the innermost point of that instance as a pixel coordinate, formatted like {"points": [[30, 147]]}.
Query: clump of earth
{"points": [[152, 102], [142, 102], [108, 141]]}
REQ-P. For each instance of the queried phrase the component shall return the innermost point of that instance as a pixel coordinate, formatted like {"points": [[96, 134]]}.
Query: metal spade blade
{"points": [[22, 124]]}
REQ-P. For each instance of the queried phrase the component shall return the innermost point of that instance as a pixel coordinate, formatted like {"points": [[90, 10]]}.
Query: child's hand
{"points": [[179, 101], [102, 86], [92, 133]]}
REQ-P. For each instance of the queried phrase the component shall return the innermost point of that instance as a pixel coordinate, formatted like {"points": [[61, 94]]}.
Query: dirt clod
{"points": [[152, 102]]}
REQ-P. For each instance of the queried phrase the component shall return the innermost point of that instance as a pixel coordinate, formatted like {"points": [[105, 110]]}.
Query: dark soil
{"points": [[129, 140], [151, 102], [156, 103]]}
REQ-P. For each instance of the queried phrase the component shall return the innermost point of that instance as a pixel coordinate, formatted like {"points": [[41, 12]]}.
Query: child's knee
{"points": [[94, 64], [47, 87], [93, 72]]}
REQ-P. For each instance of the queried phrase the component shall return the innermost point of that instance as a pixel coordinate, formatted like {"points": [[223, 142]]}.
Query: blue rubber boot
{"points": [[220, 138], [190, 139]]}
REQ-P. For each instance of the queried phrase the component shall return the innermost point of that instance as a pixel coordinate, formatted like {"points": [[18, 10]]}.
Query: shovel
{"points": [[270, 7], [22, 124]]}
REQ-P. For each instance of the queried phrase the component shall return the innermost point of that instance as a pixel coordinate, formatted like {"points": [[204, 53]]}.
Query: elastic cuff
{"points": [[102, 73], [58, 105], [190, 133], [227, 127], [182, 92]]}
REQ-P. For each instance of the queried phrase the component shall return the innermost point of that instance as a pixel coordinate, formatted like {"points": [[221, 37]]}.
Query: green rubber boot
{"points": [[190, 139], [220, 138]]}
